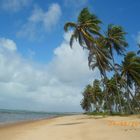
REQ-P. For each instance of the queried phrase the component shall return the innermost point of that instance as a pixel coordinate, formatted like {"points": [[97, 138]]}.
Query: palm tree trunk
{"points": [[107, 93], [130, 111], [105, 96], [120, 104]]}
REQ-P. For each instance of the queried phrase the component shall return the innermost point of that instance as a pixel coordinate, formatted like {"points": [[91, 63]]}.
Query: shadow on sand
{"points": [[75, 123]]}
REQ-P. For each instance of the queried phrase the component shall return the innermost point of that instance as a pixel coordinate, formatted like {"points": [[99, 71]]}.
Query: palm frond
{"points": [[69, 25]]}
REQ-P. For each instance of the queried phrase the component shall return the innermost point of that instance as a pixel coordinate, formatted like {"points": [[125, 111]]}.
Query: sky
{"points": [[38, 70]]}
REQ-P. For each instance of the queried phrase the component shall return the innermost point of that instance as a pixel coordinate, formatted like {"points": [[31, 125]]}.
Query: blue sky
{"points": [[37, 67], [120, 12]]}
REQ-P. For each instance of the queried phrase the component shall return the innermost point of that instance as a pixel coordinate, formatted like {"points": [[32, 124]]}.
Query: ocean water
{"points": [[13, 116]]}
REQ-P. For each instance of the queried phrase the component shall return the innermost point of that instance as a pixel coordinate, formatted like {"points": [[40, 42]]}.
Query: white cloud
{"points": [[8, 44], [42, 20], [67, 63], [14, 5], [54, 87], [52, 16]]}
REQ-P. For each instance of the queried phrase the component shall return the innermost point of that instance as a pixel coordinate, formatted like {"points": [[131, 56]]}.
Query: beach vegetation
{"points": [[117, 90]]}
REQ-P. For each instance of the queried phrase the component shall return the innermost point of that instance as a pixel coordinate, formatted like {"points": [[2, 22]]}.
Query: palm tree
{"points": [[87, 99], [97, 95], [86, 27], [115, 40], [131, 68], [112, 93], [86, 31], [131, 73], [99, 57]]}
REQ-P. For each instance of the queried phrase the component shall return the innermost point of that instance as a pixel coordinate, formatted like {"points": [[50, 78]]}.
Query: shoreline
{"points": [[4, 124], [11, 124], [74, 127]]}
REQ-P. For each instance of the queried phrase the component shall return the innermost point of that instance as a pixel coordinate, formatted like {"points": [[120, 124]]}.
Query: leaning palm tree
{"points": [[86, 27], [86, 31], [131, 68], [131, 73], [100, 58], [115, 40]]}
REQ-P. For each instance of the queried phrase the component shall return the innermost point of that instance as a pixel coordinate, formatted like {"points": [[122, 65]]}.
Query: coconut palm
{"points": [[111, 85], [87, 99], [97, 95], [131, 68], [115, 40], [86, 30], [86, 27], [100, 58], [131, 73]]}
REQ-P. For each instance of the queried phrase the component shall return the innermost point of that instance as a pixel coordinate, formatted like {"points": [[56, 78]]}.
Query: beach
{"points": [[74, 127]]}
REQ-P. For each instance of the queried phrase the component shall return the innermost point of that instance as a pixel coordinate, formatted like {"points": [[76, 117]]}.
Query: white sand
{"points": [[77, 127]]}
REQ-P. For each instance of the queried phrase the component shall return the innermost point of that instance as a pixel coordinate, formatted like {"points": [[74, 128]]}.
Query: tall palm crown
{"points": [[99, 57], [86, 31], [115, 39], [131, 68], [83, 31]]}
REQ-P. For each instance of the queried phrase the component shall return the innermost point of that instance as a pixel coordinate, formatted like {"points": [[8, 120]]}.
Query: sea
{"points": [[14, 116]]}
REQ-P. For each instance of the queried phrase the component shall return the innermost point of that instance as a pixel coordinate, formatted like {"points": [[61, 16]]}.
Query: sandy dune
{"points": [[77, 127]]}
